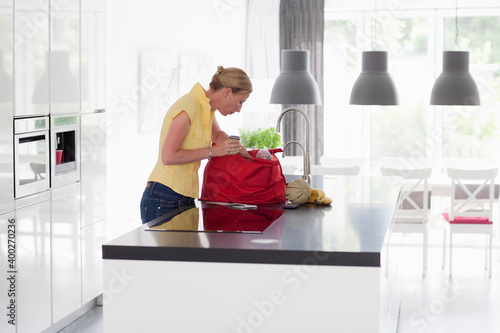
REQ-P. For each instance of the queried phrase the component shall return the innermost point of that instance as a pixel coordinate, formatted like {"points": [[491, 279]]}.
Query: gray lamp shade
{"points": [[295, 84], [374, 86], [455, 85]]}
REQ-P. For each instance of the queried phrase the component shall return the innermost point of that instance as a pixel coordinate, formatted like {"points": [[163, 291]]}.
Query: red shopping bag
{"points": [[233, 178]]}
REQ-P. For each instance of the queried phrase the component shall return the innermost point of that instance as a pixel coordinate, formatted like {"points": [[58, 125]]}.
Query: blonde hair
{"points": [[233, 78]]}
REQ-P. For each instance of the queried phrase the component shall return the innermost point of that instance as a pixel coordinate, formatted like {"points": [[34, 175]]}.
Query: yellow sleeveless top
{"points": [[183, 178]]}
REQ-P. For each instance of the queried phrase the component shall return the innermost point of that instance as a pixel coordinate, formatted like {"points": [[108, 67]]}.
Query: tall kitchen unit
{"points": [[64, 88], [6, 106], [52, 160], [31, 166], [7, 227], [93, 145], [93, 190]]}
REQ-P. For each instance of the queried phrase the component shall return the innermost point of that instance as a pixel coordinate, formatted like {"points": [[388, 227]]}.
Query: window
{"points": [[474, 132], [413, 130]]}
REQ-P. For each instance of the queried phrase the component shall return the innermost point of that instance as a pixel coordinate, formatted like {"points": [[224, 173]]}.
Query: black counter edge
{"points": [[244, 256]]}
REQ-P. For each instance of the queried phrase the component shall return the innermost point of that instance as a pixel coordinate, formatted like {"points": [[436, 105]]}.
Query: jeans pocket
{"points": [[149, 209], [152, 208], [159, 201]]}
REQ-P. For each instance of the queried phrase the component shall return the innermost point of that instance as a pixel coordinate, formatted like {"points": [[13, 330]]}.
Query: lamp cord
{"points": [[374, 28], [456, 25]]}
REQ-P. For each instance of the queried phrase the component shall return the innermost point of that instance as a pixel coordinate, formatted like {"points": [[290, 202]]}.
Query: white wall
{"points": [[214, 28]]}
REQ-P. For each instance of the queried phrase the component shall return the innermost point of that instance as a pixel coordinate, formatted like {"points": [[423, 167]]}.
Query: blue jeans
{"points": [[158, 200]]}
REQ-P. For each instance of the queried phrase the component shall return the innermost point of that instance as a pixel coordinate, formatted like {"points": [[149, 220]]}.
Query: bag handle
{"points": [[272, 151]]}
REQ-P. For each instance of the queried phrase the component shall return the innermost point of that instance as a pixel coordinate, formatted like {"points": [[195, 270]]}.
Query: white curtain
{"points": [[262, 40], [262, 63]]}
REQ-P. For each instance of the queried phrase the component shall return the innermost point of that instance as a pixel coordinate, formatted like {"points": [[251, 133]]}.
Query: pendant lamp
{"points": [[295, 84], [374, 85], [455, 85]]}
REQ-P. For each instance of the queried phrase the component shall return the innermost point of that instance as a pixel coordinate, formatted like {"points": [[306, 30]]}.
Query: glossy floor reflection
{"points": [[468, 302], [90, 322]]}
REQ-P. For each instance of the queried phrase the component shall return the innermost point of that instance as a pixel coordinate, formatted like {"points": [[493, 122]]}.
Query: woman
{"points": [[186, 137]]}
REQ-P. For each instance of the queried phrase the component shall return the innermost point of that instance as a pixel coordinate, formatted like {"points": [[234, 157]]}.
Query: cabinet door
{"points": [[65, 56], [6, 158], [66, 250], [93, 237], [93, 55], [8, 262], [93, 167], [33, 267], [31, 51], [6, 106]]}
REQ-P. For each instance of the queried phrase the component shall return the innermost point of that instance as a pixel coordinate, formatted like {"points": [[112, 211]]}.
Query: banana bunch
{"points": [[318, 197]]}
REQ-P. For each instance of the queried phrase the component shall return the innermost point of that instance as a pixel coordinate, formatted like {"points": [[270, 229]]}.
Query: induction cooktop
{"points": [[212, 217]]}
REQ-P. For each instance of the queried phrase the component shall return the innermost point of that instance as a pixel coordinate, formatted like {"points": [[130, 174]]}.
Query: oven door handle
{"points": [[27, 139]]}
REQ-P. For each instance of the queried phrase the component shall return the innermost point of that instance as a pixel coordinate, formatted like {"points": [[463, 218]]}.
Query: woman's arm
{"points": [[172, 153], [217, 134]]}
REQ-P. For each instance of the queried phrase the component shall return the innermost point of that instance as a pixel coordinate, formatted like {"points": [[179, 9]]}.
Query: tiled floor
{"points": [[467, 303]]}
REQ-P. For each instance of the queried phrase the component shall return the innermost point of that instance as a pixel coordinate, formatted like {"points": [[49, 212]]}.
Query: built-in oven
{"points": [[31, 156], [65, 149]]}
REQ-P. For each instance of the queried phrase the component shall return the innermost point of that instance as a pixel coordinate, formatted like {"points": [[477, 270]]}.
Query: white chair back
{"points": [[336, 171], [288, 169], [342, 161], [414, 201], [472, 192], [403, 163], [292, 164], [348, 166]]}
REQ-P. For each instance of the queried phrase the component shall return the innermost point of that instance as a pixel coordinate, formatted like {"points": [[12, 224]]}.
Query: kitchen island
{"points": [[212, 268]]}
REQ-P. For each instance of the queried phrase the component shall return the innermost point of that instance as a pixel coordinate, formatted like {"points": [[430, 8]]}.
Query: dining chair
{"points": [[292, 165], [288, 169], [411, 163], [336, 171], [413, 211], [352, 163], [471, 208]]}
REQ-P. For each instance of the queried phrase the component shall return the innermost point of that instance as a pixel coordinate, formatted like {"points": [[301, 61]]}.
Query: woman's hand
{"points": [[243, 152], [226, 147]]}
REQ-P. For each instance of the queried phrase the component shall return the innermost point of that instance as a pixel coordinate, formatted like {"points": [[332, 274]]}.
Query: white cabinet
{"points": [[93, 190], [6, 158], [31, 41], [33, 295], [93, 55], [52, 60], [93, 144], [93, 166], [47, 53], [8, 264], [93, 237], [65, 56], [6, 106], [66, 251]]}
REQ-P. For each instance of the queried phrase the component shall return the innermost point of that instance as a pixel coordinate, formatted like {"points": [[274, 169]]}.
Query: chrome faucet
{"points": [[305, 176], [307, 157]]}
